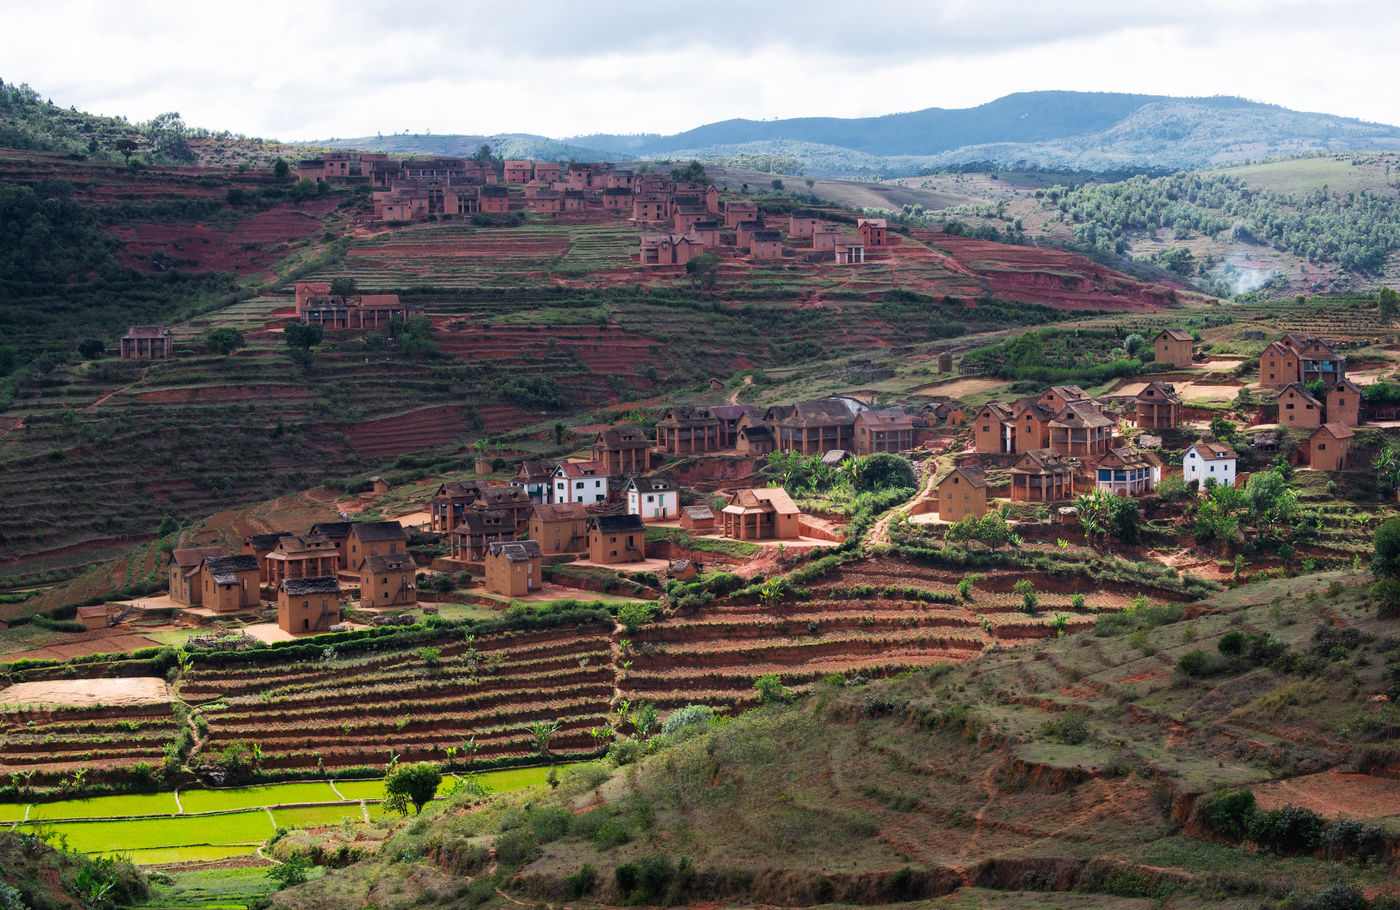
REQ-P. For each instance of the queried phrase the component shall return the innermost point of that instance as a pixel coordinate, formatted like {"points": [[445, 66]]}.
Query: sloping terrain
{"points": [[1080, 763]]}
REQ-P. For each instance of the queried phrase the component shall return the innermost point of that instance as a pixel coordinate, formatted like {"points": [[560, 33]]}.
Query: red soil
{"points": [[247, 249], [428, 427], [1334, 792]]}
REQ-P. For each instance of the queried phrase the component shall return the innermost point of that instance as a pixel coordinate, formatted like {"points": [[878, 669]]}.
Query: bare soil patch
{"points": [[88, 693], [1334, 792]]}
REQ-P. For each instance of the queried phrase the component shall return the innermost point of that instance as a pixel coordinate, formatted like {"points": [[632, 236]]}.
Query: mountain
{"points": [[462, 145], [1090, 130]]}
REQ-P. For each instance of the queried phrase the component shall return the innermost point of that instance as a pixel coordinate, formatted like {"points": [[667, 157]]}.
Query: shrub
{"points": [[292, 872], [771, 690], [690, 715], [1288, 830], [516, 847], [1198, 664], [1073, 730], [1228, 813], [636, 614], [581, 883], [417, 783]]}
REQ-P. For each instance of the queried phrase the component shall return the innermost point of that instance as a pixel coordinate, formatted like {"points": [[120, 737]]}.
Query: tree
{"points": [[292, 872], [343, 287], [1132, 343], [777, 185], [224, 340], [1385, 560], [771, 690], [703, 270], [301, 335], [543, 731], [1224, 431], [91, 348], [885, 471], [126, 146], [1387, 304], [281, 169], [694, 172], [417, 783]]}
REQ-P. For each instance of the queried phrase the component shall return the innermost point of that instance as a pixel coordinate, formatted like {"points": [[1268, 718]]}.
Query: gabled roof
{"points": [[382, 530], [1346, 384], [335, 530], [1037, 408], [970, 474], [1335, 430], [1042, 461], [561, 511], [617, 524], [460, 489], [1302, 390], [147, 331], [762, 499], [999, 409], [264, 541], [503, 497], [821, 412], [683, 416], [767, 236], [873, 222], [390, 562], [1081, 414], [1069, 392], [299, 544], [699, 513], [484, 521], [733, 411], [227, 565], [1156, 390], [1128, 457], [536, 470], [756, 432], [190, 557], [515, 550], [577, 469], [661, 483], [316, 584], [1213, 451], [1176, 334], [888, 419], [624, 437]]}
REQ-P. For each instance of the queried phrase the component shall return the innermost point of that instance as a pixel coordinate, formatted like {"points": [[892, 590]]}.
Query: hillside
{"points": [[464, 146], [1087, 130], [1089, 763]]}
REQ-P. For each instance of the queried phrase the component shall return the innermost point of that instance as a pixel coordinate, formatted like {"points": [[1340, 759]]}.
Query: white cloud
{"points": [[317, 69]]}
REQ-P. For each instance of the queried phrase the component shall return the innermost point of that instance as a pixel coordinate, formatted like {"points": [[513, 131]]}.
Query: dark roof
{"points": [[687, 417], [482, 521], [626, 437], [383, 530], [615, 524], [1042, 461], [536, 469], [1159, 390], [243, 562], [561, 511], [970, 473], [495, 190], [390, 562], [504, 496], [516, 550], [335, 530], [755, 432], [768, 236], [317, 584], [820, 412], [264, 541], [147, 331], [658, 484], [1301, 390], [733, 411], [189, 557]]}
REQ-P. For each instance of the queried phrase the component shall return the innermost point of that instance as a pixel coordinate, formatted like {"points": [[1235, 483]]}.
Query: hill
{"points": [[465, 145], [1086, 130], [1241, 750]]}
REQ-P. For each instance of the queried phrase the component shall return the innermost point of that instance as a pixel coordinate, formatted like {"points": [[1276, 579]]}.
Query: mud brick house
{"points": [[814, 427], [1042, 475], [616, 199], [688, 431], [759, 514], [849, 252], [653, 498], [670, 249], [994, 429], [306, 605], [258, 546], [623, 450], [736, 211], [616, 538], [451, 499], [533, 478], [147, 342], [303, 291], [685, 217], [1125, 471], [585, 175], [517, 171], [1081, 430], [507, 499], [367, 311], [698, 518], [872, 231], [803, 224], [1058, 396], [754, 440], [547, 171], [1209, 461], [730, 416], [883, 431], [575, 200], [302, 556], [766, 245], [581, 481], [338, 533], [514, 568], [375, 538], [620, 179], [1344, 403], [494, 200], [560, 527], [545, 202], [477, 529], [962, 493], [1329, 447], [1173, 346], [1033, 419], [388, 581], [1316, 359], [707, 231], [1278, 366], [183, 567], [1158, 407], [229, 584], [651, 207], [1298, 408], [744, 231], [824, 237]]}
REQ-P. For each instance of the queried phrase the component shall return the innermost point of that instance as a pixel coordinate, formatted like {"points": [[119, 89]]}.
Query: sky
{"points": [[309, 69]]}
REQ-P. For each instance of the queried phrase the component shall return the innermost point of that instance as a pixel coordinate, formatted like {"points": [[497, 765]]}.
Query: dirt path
{"points": [[104, 398], [879, 531], [734, 396]]}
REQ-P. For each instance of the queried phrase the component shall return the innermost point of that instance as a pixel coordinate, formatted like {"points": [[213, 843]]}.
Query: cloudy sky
{"points": [[314, 69]]}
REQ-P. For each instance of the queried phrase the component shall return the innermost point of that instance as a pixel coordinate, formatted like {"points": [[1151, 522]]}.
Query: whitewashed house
{"points": [[653, 498], [1209, 460], [581, 481]]}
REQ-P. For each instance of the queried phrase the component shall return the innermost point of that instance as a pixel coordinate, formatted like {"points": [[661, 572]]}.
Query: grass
{"points": [[318, 816], [251, 827], [101, 807], [254, 797], [361, 789], [208, 888]]}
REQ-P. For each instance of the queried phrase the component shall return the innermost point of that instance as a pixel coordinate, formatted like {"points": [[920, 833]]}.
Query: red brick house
{"points": [[736, 211], [670, 249], [1042, 475], [1080, 429], [802, 224], [994, 429], [1298, 408], [962, 493], [766, 245], [824, 236], [872, 231], [688, 431], [1173, 346], [651, 207], [814, 427], [1344, 403], [547, 171], [1158, 407], [849, 252], [616, 539], [623, 450], [560, 527], [760, 513], [519, 171], [302, 556], [494, 200], [147, 342], [477, 529], [883, 431]]}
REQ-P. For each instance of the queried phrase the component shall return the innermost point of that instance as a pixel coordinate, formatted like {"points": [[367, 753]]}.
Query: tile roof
{"points": [[1176, 334], [516, 550], [1214, 451], [189, 557], [618, 524], [387, 530], [561, 511], [390, 562], [317, 584]]}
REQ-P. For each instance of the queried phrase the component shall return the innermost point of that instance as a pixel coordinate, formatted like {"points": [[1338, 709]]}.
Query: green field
{"points": [[316, 816], [96, 807], [255, 797], [361, 789], [122, 835]]}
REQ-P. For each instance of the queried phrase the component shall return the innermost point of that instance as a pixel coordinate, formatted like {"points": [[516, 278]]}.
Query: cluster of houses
{"points": [[305, 571], [694, 229], [316, 305], [814, 427]]}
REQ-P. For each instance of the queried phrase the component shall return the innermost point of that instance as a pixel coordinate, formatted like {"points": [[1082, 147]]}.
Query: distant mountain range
{"points": [[1087, 130]]}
